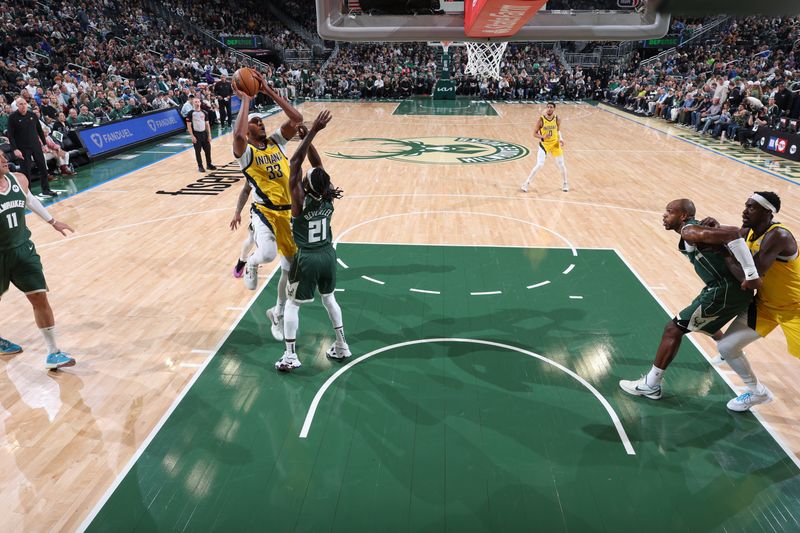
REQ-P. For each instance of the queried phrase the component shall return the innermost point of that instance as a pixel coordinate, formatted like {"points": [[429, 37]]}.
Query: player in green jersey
{"points": [[314, 266], [20, 265], [722, 299]]}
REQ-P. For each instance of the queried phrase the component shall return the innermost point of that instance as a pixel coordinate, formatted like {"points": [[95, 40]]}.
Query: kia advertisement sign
{"points": [[117, 135]]}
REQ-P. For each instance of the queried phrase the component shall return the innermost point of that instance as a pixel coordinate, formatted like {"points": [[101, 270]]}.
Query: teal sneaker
{"points": [[58, 360], [8, 347]]}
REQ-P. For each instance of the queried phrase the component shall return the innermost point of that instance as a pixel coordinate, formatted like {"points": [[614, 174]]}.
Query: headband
{"points": [[763, 202], [310, 181]]}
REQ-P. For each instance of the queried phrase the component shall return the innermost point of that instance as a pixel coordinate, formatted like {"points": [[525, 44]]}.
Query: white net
{"points": [[484, 58]]}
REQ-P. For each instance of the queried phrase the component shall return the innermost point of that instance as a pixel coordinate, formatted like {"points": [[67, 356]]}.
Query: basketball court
{"points": [[489, 330]]}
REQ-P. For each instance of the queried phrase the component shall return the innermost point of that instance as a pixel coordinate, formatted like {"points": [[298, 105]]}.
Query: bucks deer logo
{"points": [[435, 150]]}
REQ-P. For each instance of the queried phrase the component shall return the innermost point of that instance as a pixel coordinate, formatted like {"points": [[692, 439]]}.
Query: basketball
{"points": [[246, 81]]}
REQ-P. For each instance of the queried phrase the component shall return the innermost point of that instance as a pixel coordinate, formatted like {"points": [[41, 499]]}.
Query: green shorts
{"points": [[312, 270], [713, 308], [22, 266]]}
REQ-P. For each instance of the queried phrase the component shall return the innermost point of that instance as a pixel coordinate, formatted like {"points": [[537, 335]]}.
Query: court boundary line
{"points": [[312, 409], [766, 425], [571, 246], [174, 405], [538, 247], [698, 145], [443, 212]]}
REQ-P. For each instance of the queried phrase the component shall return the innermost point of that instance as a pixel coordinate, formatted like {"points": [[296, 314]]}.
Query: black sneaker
{"points": [[201, 169], [212, 167], [49, 193]]}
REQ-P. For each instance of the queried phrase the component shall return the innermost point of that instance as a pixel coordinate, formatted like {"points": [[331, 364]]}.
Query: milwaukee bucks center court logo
{"points": [[434, 150]]}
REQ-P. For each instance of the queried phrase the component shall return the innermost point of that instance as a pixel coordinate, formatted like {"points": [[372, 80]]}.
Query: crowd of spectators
{"points": [[96, 61], [244, 17], [750, 77]]}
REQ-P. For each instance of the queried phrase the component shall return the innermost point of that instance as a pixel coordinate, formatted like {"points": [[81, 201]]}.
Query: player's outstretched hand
{"points": [[752, 284], [302, 131], [261, 80], [62, 227], [710, 222], [236, 221], [236, 90], [322, 120]]}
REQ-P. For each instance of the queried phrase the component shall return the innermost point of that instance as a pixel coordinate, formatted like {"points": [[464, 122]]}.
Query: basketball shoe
{"points": [[287, 362], [276, 323], [745, 401], [338, 351], [9, 348], [251, 277], [640, 387], [59, 359], [238, 270]]}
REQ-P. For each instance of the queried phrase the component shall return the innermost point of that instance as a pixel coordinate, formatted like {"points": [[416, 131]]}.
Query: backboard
{"points": [[443, 20]]}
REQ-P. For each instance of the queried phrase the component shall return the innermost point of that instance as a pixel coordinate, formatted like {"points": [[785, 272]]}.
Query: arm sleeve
{"points": [[36, 206]]}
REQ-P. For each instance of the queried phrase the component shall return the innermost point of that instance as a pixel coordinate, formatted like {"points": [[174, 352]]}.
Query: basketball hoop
{"points": [[446, 45], [484, 58]]}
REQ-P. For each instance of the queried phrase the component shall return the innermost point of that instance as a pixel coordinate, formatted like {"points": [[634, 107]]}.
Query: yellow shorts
{"points": [[277, 222], [553, 149], [766, 319]]}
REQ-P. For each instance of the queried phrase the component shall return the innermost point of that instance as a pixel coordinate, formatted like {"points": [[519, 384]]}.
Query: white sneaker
{"points": [[565, 187], [251, 277], [745, 401], [338, 351], [524, 187], [287, 362], [276, 324], [641, 388]]}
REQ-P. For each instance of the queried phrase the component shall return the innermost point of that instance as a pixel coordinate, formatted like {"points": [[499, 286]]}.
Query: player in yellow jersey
{"points": [[264, 163], [548, 131], [777, 302]]}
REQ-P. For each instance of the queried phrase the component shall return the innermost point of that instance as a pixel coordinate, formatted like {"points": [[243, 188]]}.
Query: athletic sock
{"points": [[290, 345], [340, 336], [49, 335], [653, 378]]}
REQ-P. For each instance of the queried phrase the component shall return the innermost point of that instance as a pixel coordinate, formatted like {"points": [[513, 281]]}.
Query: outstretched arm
{"points": [[288, 128], [313, 156], [240, 128], [33, 203], [296, 163]]}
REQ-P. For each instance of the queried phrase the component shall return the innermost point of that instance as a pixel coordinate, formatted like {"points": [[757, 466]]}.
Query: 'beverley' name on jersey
{"points": [[318, 213], [13, 204]]}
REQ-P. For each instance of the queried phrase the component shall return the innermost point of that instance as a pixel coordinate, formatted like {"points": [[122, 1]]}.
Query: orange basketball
{"points": [[246, 81]]}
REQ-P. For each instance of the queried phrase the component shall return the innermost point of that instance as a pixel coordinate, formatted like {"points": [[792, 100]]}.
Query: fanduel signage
{"points": [[117, 135]]}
